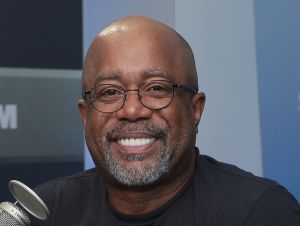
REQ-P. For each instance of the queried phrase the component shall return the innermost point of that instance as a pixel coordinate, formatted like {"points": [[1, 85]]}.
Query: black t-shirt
{"points": [[218, 194]]}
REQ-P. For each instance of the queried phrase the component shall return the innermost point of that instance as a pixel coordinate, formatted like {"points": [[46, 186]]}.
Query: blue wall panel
{"points": [[41, 34], [37, 39], [278, 61]]}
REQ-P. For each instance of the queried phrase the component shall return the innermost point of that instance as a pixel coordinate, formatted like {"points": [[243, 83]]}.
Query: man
{"points": [[140, 110]]}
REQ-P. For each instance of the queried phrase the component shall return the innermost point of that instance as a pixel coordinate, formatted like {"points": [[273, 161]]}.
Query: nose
{"points": [[133, 109]]}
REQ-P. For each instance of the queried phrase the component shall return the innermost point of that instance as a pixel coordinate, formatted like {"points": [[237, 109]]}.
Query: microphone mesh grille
{"points": [[7, 220]]}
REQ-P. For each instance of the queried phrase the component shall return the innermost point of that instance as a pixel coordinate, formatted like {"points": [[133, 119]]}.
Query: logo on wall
{"points": [[8, 116]]}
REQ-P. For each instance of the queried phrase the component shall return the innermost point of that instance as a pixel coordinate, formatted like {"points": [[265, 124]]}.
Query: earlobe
{"points": [[83, 108], [198, 102]]}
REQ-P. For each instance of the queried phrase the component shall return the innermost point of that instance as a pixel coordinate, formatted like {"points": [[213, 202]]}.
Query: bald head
{"points": [[135, 29]]}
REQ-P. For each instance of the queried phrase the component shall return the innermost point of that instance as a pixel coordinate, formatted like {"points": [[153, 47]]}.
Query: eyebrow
{"points": [[147, 73], [110, 75]]}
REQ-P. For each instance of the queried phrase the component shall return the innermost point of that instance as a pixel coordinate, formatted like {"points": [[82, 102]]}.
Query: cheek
{"points": [[94, 123], [181, 124], [179, 113], [94, 132]]}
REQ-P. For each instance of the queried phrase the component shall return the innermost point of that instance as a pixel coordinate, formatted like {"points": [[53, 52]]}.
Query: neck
{"points": [[131, 200]]}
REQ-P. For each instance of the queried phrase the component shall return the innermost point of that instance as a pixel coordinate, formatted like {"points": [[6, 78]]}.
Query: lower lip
{"points": [[134, 149]]}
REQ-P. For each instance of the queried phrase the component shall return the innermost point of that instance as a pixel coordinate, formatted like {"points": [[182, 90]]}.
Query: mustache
{"points": [[140, 126]]}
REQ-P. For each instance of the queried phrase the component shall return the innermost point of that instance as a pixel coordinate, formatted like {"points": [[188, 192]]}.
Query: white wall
{"points": [[222, 36]]}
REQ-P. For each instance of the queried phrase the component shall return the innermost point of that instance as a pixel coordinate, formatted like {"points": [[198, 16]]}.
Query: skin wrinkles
{"points": [[140, 181], [147, 75]]}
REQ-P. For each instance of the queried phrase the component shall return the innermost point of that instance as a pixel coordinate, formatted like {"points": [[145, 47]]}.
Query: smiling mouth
{"points": [[135, 142]]}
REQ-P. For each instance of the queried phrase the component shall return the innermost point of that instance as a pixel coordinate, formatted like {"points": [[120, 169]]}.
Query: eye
{"points": [[158, 89], [108, 93]]}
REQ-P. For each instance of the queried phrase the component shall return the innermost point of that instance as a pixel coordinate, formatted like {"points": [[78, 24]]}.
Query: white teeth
{"points": [[135, 141]]}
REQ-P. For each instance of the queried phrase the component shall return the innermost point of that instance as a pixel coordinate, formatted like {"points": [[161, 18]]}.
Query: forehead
{"points": [[143, 74], [135, 56]]}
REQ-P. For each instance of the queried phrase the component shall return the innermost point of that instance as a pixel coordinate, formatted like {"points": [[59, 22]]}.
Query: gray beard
{"points": [[142, 174], [147, 173]]}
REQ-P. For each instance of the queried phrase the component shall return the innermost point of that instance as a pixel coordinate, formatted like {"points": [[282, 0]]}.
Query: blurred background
{"points": [[248, 60]]}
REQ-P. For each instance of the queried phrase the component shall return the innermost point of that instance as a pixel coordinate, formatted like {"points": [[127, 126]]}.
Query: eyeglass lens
{"points": [[111, 98]]}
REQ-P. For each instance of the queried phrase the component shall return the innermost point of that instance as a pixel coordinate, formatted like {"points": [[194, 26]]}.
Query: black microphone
{"points": [[12, 215]]}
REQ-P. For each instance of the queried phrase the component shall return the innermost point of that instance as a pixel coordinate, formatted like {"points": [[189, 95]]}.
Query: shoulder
{"points": [[67, 197], [78, 188], [275, 207], [230, 175], [242, 196], [84, 179]]}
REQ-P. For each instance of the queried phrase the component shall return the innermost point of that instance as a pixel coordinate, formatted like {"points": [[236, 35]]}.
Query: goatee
{"points": [[146, 173]]}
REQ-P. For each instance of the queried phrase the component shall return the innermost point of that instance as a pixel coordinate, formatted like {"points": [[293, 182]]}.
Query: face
{"points": [[137, 146]]}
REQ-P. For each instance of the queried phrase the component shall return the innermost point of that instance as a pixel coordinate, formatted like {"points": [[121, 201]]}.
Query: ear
{"points": [[83, 108], [198, 102]]}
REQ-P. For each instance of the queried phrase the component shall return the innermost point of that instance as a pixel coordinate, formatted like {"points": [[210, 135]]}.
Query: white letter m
{"points": [[8, 116]]}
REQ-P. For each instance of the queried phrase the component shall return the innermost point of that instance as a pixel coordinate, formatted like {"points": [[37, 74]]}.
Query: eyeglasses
{"points": [[158, 94]]}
